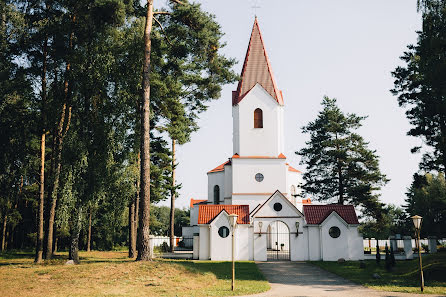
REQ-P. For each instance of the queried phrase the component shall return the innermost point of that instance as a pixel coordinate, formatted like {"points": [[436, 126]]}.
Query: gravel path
{"points": [[303, 279]]}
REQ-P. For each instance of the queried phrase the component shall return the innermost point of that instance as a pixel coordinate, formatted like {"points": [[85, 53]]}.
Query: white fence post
{"points": [[408, 247], [432, 243]]}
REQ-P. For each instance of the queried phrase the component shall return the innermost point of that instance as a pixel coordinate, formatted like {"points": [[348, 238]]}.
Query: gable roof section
{"points": [[293, 169], [220, 167], [316, 214], [195, 201], [283, 197], [207, 213], [256, 69]]}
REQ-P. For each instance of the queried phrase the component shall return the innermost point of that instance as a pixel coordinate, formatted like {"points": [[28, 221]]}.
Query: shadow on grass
{"points": [[404, 274], [222, 270]]}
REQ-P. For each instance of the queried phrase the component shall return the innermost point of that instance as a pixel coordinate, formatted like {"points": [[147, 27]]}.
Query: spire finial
{"points": [[255, 6]]}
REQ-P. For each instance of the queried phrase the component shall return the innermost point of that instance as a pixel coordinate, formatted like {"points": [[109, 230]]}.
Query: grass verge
{"points": [[113, 274], [403, 278]]}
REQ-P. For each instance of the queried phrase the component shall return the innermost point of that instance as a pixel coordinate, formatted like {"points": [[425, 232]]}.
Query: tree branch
{"points": [[162, 29], [178, 2], [161, 12]]}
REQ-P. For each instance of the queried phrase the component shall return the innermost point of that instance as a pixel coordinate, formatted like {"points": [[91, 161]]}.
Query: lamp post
{"points": [[417, 223], [233, 222]]}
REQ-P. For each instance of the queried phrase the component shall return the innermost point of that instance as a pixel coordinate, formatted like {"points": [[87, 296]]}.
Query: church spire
{"points": [[256, 69]]}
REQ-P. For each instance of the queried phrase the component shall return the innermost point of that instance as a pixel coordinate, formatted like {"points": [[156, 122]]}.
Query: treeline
{"points": [[71, 97]]}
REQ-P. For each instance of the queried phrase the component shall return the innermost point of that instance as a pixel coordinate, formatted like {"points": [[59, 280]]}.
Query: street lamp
{"points": [[233, 223], [417, 223]]}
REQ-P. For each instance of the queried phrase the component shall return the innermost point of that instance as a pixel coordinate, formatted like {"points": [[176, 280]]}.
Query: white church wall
{"points": [[355, 244], [204, 242], [194, 215], [216, 178], [260, 247], [221, 248], [250, 141], [334, 248], [252, 200], [243, 243], [314, 243], [227, 183], [244, 171], [292, 179], [236, 129]]}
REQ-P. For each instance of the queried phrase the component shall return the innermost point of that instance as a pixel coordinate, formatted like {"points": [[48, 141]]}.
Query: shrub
{"points": [[378, 255], [388, 261], [392, 257]]}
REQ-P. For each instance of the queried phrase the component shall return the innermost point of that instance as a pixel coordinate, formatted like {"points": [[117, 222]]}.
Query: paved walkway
{"points": [[303, 279]]}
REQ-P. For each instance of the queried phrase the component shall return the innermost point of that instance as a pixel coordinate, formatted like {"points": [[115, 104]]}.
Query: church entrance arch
{"points": [[278, 241]]}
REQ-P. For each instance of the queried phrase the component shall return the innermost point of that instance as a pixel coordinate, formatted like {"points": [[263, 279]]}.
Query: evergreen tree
{"points": [[420, 86], [340, 166], [427, 197]]}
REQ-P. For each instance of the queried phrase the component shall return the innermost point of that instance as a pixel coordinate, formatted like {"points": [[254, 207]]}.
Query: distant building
{"points": [[258, 185]]}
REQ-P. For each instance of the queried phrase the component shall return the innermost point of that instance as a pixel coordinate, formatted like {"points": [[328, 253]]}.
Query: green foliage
{"points": [[394, 220], [340, 166], [427, 197], [160, 220], [420, 86]]}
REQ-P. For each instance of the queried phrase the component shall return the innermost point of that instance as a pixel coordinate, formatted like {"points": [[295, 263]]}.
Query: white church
{"points": [[259, 186]]}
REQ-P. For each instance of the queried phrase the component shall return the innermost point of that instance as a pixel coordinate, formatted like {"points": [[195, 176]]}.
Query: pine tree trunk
{"points": [[136, 217], [5, 220], [39, 246], [89, 232], [75, 232], [62, 129], [172, 201], [132, 248], [144, 251]]}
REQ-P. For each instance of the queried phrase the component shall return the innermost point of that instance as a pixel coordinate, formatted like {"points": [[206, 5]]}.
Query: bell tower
{"points": [[257, 105]]}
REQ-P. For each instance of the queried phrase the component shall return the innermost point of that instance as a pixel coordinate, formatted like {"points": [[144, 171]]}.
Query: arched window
{"points": [[258, 118], [216, 194]]}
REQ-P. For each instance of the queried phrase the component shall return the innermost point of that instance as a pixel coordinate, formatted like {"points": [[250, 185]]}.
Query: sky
{"points": [[341, 49]]}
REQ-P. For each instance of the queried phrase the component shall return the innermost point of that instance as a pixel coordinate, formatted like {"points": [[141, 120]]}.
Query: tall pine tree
{"points": [[340, 166]]}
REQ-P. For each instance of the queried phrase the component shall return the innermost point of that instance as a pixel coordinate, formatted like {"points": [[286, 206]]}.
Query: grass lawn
{"points": [[403, 278], [113, 274]]}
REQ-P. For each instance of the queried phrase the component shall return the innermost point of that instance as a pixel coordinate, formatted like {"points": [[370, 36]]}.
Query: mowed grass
{"points": [[113, 274], [405, 276]]}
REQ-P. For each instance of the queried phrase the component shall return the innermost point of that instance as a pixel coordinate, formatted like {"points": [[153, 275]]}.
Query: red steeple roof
{"points": [[256, 69]]}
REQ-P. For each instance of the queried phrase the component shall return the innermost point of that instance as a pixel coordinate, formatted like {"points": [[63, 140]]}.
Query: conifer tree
{"points": [[420, 85], [340, 166]]}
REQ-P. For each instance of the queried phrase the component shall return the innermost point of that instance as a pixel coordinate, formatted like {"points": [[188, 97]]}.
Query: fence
{"points": [[182, 243], [371, 243]]}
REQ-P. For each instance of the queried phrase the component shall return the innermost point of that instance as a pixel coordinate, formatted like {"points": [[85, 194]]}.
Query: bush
{"points": [[378, 255], [388, 261], [392, 257]]}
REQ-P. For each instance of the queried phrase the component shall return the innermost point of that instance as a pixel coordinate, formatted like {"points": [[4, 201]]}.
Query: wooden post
{"points": [[421, 264]]}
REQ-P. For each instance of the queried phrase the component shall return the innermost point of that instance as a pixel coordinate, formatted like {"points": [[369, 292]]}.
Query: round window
{"points": [[223, 231], [259, 177], [277, 206], [334, 232]]}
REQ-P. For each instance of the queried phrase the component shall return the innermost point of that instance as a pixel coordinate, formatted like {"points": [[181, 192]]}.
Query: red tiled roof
{"points": [[281, 156], [193, 201], [292, 169], [220, 167], [256, 69], [316, 214], [206, 213]]}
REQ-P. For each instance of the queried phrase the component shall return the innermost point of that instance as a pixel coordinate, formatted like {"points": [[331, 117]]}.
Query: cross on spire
{"points": [[255, 6]]}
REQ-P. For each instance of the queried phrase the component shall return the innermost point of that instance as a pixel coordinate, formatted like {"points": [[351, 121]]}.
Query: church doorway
{"points": [[278, 241]]}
